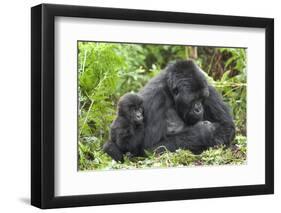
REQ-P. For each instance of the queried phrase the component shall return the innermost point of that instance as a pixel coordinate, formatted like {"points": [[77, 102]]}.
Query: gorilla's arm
{"points": [[217, 111], [155, 106], [155, 120], [118, 132]]}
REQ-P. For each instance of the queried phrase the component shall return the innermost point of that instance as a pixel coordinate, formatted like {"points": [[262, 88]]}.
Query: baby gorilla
{"points": [[127, 131]]}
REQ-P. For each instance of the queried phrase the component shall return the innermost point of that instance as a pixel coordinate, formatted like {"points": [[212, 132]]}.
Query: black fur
{"points": [[182, 88], [127, 131], [200, 132]]}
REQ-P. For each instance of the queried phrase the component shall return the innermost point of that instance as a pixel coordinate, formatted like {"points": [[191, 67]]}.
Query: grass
{"points": [[91, 157]]}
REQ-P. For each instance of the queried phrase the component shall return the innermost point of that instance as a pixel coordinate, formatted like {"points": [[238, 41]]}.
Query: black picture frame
{"points": [[43, 111]]}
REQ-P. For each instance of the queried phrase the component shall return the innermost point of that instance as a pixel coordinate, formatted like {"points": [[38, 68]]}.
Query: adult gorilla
{"points": [[175, 101]]}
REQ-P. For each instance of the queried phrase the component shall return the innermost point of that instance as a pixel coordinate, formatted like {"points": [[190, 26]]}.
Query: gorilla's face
{"points": [[189, 88]]}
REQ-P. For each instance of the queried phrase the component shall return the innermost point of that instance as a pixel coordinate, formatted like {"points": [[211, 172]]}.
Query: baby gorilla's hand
{"points": [[112, 150]]}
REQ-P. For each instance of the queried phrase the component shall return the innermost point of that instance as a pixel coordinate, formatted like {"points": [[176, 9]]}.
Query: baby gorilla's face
{"points": [[137, 114], [130, 106]]}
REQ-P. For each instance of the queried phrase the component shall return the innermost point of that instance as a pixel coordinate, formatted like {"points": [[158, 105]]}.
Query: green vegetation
{"points": [[108, 70]]}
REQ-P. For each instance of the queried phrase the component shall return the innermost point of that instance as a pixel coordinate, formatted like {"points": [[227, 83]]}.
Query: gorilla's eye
{"points": [[175, 91]]}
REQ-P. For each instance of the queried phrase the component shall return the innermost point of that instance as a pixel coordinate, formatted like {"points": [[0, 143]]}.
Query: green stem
{"points": [[86, 118]]}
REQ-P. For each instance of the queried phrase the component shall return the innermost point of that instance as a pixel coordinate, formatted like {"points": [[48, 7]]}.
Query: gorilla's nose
{"points": [[197, 108], [139, 116]]}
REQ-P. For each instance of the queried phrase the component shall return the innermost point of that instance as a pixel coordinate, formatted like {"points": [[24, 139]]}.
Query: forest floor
{"points": [[91, 157]]}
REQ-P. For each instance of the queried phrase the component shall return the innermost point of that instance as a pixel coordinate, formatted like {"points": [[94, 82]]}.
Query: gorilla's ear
{"points": [[113, 151]]}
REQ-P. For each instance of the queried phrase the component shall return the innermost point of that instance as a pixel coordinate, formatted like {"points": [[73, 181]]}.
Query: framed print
{"points": [[140, 106]]}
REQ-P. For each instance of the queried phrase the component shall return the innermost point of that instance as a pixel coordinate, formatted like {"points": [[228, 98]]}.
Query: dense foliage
{"points": [[108, 70]]}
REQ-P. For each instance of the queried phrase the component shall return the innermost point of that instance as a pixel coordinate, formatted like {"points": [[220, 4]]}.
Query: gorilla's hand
{"points": [[113, 151]]}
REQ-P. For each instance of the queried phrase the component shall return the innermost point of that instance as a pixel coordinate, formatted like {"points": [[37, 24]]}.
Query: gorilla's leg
{"points": [[196, 139], [181, 140]]}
